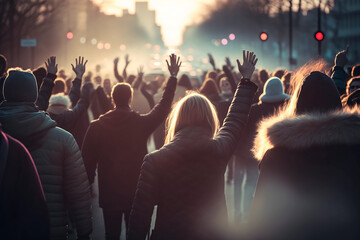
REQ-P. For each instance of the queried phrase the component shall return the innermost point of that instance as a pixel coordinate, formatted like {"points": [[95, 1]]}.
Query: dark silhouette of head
{"points": [[107, 86], [59, 86], [3, 65], [184, 81], [352, 85], [39, 74], [279, 73], [209, 89], [68, 83], [317, 93], [20, 86], [122, 94], [286, 81], [263, 76], [211, 74], [62, 74], [355, 72], [98, 80]]}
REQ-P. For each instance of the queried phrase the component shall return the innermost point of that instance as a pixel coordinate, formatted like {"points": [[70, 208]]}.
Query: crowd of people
{"points": [[287, 140]]}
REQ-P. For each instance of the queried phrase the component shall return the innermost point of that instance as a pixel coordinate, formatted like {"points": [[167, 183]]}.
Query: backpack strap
{"points": [[4, 149]]}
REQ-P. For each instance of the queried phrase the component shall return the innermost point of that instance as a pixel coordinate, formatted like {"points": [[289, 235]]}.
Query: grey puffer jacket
{"points": [[59, 164]]}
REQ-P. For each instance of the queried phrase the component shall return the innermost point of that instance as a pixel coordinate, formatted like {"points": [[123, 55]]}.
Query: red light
{"points": [[69, 35], [224, 41], [319, 36], [263, 36]]}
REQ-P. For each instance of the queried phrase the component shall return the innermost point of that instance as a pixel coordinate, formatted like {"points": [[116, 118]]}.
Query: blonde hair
{"points": [[192, 110]]}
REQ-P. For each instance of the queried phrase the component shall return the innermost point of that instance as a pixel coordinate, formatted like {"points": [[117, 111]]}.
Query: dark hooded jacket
{"points": [[59, 163], [23, 210], [185, 178], [116, 144], [309, 182]]}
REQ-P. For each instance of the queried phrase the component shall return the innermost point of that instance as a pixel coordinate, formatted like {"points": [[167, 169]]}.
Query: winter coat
{"points": [[258, 112], [116, 144], [185, 178], [340, 78], [59, 163], [23, 210], [309, 183], [45, 92]]}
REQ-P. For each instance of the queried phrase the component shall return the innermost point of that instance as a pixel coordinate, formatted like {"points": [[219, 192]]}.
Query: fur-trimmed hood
{"points": [[304, 131]]}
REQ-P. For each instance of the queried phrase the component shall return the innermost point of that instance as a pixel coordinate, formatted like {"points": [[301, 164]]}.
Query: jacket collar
{"points": [[301, 132]]}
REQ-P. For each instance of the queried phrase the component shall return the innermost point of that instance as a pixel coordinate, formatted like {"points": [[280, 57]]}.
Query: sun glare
{"points": [[172, 15]]}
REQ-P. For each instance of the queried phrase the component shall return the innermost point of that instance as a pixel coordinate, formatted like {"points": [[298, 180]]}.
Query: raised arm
{"points": [[116, 71], [79, 71], [237, 116], [127, 62], [230, 77], [339, 75], [158, 114], [47, 85], [212, 61], [70, 117], [147, 95]]}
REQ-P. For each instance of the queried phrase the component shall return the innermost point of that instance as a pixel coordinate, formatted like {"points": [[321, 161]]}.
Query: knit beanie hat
{"points": [[20, 86], [273, 91], [318, 93]]}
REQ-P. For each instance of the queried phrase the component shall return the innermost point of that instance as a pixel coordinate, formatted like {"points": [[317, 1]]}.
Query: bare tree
{"points": [[22, 18]]}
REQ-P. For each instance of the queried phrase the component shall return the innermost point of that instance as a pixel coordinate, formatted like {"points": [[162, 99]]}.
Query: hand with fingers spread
{"points": [[212, 61], [127, 60], [248, 66], [116, 60], [341, 58], [51, 65], [141, 71], [174, 65], [79, 68], [228, 63]]}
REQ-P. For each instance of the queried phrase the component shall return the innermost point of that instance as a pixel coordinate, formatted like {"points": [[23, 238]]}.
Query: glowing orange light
{"points": [[263, 36]]}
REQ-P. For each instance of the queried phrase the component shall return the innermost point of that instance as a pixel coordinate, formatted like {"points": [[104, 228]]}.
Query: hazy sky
{"points": [[171, 15]]}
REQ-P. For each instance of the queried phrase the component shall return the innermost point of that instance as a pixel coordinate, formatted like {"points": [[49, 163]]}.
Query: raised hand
{"points": [[79, 68], [174, 65], [116, 60], [228, 63], [51, 65], [127, 60], [341, 58], [211, 61], [141, 71], [248, 66]]}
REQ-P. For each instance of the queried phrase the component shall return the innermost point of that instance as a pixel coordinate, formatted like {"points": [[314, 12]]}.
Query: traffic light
{"points": [[263, 36], [69, 35], [319, 36]]}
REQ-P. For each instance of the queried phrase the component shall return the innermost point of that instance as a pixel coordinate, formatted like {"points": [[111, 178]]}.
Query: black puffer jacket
{"points": [[59, 163], [185, 178]]}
